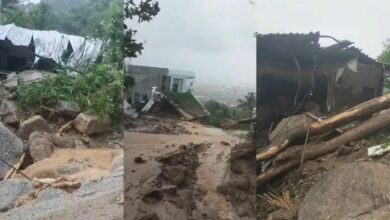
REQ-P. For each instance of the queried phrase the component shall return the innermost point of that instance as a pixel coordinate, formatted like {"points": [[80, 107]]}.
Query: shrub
{"points": [[97, 90]]}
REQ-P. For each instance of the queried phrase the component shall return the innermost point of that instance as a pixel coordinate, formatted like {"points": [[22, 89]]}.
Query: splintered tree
{"points": [[142, 11]]}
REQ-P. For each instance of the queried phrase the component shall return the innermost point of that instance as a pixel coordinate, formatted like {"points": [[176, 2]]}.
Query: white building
{"points": [[181, 80]]}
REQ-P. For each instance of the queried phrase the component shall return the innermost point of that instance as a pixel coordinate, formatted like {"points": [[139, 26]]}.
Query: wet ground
{"points": [[203, 154]]}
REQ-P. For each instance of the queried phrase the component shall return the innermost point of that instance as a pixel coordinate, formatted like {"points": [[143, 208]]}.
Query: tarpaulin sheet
{"points": [[53, 44]]}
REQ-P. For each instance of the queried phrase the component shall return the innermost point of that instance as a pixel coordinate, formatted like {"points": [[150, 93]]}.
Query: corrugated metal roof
{"points": [[53, 44]]}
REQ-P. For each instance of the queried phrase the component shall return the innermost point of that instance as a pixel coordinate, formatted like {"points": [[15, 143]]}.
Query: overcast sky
{"points": [[215, 39]]}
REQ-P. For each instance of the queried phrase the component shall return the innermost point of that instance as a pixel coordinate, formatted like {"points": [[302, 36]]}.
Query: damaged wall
{"points": [[295, 74]]}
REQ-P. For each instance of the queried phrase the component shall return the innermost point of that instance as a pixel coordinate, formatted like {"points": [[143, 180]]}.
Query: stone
{"points": [[67, 109], [40, 149], [95, 199], [352, 191], [344, 151], [57, 141], [139, 160], [79, 144], [62, 141], [11, 148], [225, 143], [27, 76], [51, 193], [10, 191], [88, 124], [11, 112], [35, 123]]}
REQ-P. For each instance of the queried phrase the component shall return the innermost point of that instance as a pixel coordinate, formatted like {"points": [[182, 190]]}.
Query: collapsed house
{"points": [[23, 49], [169, 87], [296, 74]]}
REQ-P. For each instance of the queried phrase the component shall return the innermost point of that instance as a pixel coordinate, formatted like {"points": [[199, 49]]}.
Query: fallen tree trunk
{"points": [[283, 140], [292, 157]]}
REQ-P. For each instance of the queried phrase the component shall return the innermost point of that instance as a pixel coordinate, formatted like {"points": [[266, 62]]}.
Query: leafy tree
{"points": [[248, 103], [384, 57], [144, 11], [7, 4]]}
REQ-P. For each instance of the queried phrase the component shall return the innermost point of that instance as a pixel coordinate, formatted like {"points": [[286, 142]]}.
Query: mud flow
{"points": [[186, 176]]}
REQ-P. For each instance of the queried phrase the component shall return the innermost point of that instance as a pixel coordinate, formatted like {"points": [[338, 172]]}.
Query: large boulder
{"points": [[35, 123], [89, 124], [96, 199], [10, 112], [11, 149], [10, 191], [352, 191], [67, 109]]}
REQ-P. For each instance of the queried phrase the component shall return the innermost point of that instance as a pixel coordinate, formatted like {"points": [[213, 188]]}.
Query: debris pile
{"points": [[55, 150], [155, 125], [285, 157]]}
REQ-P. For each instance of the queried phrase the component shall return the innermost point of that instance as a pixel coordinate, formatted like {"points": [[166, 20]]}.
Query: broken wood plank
{"points": [[11, 173], [65, 127], [291, 158], [285, 139]]}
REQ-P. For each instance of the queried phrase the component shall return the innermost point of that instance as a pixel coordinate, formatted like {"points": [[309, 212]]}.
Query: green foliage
{"points": [[113, 33], [40, 16], [248, 103], [144, 11], [384, 57], [381, 137], [219, 112], [97, 91]]}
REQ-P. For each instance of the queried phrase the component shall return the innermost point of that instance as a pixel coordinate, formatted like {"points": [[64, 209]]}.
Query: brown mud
{"points": [[180, 175]]}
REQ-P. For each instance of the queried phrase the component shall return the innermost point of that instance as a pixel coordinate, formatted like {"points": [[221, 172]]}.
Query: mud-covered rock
{"points": [[35, 123], [88, 124], [352, 191], [11, 148]]}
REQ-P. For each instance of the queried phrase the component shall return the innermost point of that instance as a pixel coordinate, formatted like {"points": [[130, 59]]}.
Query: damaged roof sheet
{"points": [[53, 44], [303, 46]]}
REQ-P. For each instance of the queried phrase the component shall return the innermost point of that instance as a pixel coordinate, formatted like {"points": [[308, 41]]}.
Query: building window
{"points": [[177, 85]]}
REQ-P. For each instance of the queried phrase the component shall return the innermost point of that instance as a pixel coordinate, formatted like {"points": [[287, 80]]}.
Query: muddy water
{"points": [[212, 171], [213, 162], [77, 164]]}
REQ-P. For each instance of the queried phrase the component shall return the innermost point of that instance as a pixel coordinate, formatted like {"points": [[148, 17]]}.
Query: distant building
{"points": [[164, 79]]}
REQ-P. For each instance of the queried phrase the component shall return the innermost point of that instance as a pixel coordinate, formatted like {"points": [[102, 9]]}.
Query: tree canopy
{"points": [[143, 11]]}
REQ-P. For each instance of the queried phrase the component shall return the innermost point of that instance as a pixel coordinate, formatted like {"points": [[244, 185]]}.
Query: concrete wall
{"points": [[351, 88], [145, 79]]}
